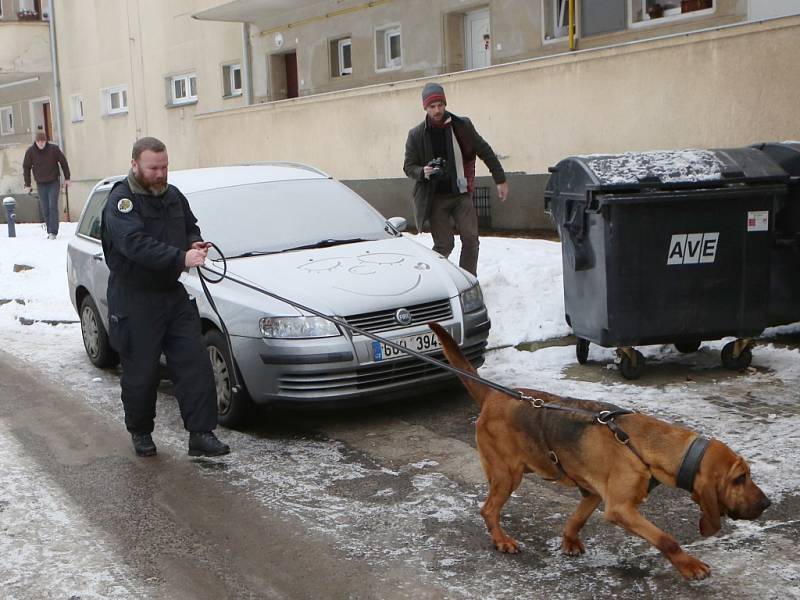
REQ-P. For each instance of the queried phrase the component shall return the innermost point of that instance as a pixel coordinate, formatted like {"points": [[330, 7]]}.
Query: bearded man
{"points": [[149, 237]]}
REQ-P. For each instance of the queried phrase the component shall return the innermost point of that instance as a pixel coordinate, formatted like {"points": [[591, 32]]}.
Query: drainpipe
{"points": [[572, 24], [56, 80], [247, 77]]}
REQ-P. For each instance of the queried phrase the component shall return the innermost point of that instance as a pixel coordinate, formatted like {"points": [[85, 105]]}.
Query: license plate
{"points": [[421, 342]]}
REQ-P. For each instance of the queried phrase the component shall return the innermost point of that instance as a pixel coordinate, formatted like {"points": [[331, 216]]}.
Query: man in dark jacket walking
{"points": [[443, 188], [44, 158], [149, 237]]}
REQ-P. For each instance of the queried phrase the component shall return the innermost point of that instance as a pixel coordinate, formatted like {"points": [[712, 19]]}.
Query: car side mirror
{"points": [[398, 223]]}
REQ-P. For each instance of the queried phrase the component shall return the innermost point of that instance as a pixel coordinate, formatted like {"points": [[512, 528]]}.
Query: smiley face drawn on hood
{"points": [[369, 274]]}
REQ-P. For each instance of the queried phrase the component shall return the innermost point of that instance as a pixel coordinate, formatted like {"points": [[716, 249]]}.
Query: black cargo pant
{"points": [[142, 325]]}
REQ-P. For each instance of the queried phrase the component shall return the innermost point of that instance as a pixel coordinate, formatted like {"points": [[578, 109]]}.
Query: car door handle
{"points": [[98, 256]]}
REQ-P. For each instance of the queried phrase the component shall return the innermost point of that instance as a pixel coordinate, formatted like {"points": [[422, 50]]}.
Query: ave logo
{"points": [[692, 248]]}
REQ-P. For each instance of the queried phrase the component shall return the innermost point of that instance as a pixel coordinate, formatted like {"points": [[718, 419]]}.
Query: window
{"points": [[644, 11], [341, 57], [345, 56], [114, 100], [7, 118], [92, 217], [76, 105], [232, 80], [556, 18], [184, 88], [388, 49]]}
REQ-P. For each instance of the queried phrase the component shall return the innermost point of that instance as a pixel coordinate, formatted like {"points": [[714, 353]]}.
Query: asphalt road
{"points": [[368, 503]]}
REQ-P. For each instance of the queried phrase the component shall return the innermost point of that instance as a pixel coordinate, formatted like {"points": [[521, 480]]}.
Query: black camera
{"points": [[439, 165]]}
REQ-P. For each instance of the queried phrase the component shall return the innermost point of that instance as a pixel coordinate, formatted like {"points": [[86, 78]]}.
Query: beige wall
{"points": [[432, 38], [720, 88], [138, 43]]}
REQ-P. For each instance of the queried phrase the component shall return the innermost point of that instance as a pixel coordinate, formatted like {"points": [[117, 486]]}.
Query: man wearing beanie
{"points": [[44, 158], [443, 189]]}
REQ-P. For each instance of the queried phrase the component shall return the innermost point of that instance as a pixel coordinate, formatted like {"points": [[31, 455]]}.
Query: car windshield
{"points": [[280, 216]]}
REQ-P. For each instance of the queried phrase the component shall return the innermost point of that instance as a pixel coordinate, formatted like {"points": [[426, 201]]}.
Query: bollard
{"points": [[10, 205]]}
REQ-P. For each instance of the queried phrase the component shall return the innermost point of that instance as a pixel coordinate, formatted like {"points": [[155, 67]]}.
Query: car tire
{"points": [[233, 408], [95, 337]]}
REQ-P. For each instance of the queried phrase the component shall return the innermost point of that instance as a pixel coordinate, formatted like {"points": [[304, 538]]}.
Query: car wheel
{"points": [[95, 337], [233, 407]]}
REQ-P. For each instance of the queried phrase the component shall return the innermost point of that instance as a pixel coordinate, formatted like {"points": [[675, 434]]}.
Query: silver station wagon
{"points": [[300, 234]]}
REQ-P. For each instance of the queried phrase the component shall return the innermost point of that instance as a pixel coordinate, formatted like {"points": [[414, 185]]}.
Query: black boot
{"points": [[143, 444], [205, 443]]}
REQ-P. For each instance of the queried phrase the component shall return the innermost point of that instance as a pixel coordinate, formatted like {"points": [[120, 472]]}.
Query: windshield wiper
{"points": [[252, 253], [327, 244], [320, 244]]}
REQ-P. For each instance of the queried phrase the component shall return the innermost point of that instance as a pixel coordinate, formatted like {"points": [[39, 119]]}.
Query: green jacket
{"points": [[419, 152]]}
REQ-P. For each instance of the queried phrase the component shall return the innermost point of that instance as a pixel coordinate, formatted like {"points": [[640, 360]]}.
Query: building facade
{"points": [[336, 83], [26, 90]]}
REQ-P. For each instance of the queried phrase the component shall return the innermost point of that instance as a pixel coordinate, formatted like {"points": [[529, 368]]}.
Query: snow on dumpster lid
{"points": [[666, 165]]}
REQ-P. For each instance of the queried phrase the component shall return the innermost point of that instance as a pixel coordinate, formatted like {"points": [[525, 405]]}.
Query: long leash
{"points": [[605, 417], [219, 276]]}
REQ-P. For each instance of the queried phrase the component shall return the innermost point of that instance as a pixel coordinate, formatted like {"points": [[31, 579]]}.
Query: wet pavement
{"points": [[379, 502]]}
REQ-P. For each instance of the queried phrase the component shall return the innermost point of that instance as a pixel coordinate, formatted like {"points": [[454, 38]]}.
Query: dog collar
{"points": [[691, 462]]}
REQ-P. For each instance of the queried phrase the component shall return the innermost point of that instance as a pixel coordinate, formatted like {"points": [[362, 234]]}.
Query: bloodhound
{"points": [[611, 455]]}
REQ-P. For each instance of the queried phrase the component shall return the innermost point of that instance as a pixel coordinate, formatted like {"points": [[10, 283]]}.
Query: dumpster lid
{"points": [[681, 168], [786, 154]]}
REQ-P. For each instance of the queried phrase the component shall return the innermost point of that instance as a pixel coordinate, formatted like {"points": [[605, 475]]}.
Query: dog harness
{"points": [[604, 417]]}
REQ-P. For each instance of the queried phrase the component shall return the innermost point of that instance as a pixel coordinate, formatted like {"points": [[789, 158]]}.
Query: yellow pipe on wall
{"points": [[572, 24]]}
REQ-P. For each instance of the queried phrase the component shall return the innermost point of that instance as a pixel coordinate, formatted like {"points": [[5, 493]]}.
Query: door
{"points": [[478, 43], [290, 60], [48, 125]]}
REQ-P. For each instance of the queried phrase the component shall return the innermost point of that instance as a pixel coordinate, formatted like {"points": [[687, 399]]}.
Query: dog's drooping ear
{"points": [[706, 497]]}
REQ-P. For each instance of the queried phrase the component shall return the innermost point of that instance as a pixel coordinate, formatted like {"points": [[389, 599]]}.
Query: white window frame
{"points": [[229, 79], [77, 108], [106, 97], [6, 127], [635, 5], [383, 36], [340, 44], [554, 26], [186, 78]]}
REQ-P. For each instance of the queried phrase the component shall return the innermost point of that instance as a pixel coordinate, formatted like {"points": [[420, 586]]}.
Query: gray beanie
{"points": [[432, 92]]}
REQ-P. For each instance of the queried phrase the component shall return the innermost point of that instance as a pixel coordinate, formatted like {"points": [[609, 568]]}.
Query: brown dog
{"points": [[569, 446]]}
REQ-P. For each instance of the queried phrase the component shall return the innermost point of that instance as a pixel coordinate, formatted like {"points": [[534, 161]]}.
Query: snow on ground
{"points": [[522, 285], [43, 534]]}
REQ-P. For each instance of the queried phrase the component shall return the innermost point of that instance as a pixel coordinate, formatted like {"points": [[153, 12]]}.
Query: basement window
{"points": [[388, 49], [183, 88], [114, 100], [341, 57], [659, 11], [232, 80], [6, 120]]}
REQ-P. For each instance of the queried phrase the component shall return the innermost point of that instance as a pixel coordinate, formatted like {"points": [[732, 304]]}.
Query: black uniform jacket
{"points": [[145, 237]]}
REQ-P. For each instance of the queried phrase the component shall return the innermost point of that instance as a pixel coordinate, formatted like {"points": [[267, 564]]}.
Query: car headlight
{"points": [[297, 327], [471, 299]]}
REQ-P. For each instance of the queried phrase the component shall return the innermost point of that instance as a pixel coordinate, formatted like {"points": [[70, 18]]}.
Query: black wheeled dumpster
{"points": [[666, 247], [784, 303]]}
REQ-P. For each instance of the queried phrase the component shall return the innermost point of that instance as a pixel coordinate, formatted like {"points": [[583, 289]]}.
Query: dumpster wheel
{"points": [[736, 355], [630, 362], [582, 350], [688, 347]]}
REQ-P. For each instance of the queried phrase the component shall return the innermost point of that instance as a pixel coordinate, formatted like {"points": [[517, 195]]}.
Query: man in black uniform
{"points": [[149, 237]]}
